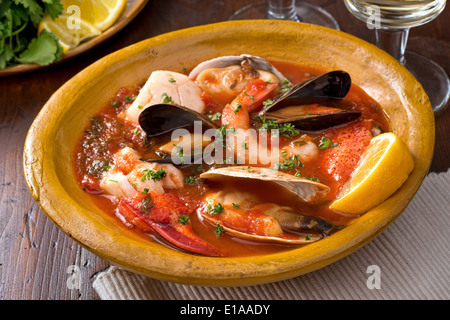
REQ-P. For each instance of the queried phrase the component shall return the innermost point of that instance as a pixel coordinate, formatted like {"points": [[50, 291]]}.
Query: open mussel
{"points": [[289, 106], [160, 119]]}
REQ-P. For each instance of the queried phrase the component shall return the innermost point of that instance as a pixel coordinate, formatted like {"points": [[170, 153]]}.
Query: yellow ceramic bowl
{"points": [[51, 139]]}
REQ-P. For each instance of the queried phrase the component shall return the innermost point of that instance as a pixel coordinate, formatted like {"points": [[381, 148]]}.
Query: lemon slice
{"points": [[68, 32], [383, 168], [100, 13]]}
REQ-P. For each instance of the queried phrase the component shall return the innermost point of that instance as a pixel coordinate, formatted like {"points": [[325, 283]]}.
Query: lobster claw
{"points": [[166, 215]]}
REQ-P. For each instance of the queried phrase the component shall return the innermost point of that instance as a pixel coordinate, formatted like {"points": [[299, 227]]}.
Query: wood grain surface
{"points": [[36, 258]]}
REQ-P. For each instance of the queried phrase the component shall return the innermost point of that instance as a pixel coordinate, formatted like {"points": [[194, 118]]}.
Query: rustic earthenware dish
{"points": [[51, 139]]}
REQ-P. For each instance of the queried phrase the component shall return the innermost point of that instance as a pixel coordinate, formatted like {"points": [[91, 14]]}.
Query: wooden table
{"points": [[35, 256]]}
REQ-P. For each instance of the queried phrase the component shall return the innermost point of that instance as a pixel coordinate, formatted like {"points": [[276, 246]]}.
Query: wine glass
{"points": [[286, 10], [392, 21]]}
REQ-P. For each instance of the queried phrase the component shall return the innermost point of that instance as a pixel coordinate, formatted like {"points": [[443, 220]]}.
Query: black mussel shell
{"points": [[160, 119]]}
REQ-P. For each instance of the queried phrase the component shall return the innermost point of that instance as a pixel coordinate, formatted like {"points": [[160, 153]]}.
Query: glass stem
{"points": [[393, 42], [282, 10]]}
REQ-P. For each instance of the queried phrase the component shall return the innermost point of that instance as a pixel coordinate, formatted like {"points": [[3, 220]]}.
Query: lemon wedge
{"points": [[383, 168], [69, 37], [100, 13]]}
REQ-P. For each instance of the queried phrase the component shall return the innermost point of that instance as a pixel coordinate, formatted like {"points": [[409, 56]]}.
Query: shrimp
{"points": [[165, 87], [236, 117], [129, 176], [304, 147]]}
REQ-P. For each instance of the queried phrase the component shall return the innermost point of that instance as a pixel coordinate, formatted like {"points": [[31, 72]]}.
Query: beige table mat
{"points": [[412, 254]]}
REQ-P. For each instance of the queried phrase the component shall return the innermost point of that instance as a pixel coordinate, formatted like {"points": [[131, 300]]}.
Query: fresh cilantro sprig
{"points": [[19, 20]]}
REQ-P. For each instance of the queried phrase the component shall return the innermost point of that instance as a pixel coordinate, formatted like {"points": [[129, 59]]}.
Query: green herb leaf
{"points": [[325, 143], [42, 50], [166, 99], [154, 175], [189, 180], [218, 230], [184, 219], [215, 116]]}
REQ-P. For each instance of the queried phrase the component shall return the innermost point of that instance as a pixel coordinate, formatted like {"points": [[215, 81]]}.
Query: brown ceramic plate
{"points": [[50, 143], [133, 8]]}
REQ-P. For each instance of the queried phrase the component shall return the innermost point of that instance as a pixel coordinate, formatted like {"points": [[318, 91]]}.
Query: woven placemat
{"points": [[409, 260]]}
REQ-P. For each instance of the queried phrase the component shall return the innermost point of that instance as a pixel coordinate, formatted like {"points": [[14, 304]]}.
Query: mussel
{"points": [[159, 119], [289, 106]]}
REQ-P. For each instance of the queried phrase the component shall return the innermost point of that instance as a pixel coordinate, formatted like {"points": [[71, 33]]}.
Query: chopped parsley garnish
{"points": [[288, 130], [215, 116], [106, 168], [189, 180], [308, 237], [250, 96], [314, 179], [291, 163], [184, 219], [237, 107], [136, 131], [325, 143], [286, 86], [284, 154], [268, 124], [166, 99], [154, 175], [244, 146], [197, 169], [218, 208], [172, 80], [128, 98], [235, 206], [115, 103], [145, 191], [218, 230], [285, 129], [268, 102]]}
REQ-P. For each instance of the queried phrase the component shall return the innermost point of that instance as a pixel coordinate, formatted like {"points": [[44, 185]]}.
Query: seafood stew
{"points": [[238, 157]]}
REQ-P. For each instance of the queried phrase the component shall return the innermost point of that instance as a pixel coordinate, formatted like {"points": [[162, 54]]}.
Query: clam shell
{"points": [[307, 190], [257, 63], [295, 240]]}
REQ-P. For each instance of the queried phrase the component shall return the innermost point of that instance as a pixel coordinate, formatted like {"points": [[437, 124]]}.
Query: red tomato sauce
{"points": [[105, 135]]}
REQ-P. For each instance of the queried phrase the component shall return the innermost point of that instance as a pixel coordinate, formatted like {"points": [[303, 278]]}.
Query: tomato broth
{"points": [[106, 134]]}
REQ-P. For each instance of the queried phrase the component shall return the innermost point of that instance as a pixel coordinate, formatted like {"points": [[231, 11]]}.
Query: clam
{"points": [[249, 63], [305, 189], [226, 77], [289, 106], [289, 221], [295, 223]]}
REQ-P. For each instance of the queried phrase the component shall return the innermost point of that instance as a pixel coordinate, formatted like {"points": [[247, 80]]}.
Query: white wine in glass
{"points": [[392, 21], [293, 10]]}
